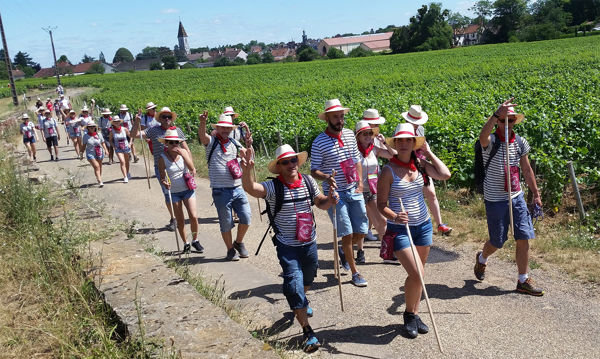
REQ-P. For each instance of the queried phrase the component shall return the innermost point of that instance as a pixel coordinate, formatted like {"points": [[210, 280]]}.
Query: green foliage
{"points": [[155, 66], [63, 58], [152, 52], [335, 53], [308, 54], [96, 68], [169, 62], [86, 59], [428, 30], [222, 61], [187, 65], [360, 52], [267, 57], [238, 61], [123, 55], [253, 59], [508, 16]]}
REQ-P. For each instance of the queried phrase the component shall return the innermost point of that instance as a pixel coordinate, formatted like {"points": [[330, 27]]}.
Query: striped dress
{"points": [[412, 198]]}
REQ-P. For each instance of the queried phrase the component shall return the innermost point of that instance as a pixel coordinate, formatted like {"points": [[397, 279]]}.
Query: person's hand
{"points": [[193, 172], [248, 140], [331, 180], [165, 183], [247, 159], [177, 150], [537, 200], [202, 117], [401, 217], [333, 197], [426, 149], [502, 110], [359, 187]]}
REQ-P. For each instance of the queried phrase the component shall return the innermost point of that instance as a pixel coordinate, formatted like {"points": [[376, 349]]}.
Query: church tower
{"points": [[182, 38]]}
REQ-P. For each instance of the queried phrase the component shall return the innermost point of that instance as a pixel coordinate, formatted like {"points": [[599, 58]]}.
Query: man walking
{"points": [[495, 193], [336, 149]]}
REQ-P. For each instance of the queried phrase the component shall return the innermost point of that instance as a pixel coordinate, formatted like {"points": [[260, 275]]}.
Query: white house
{"points": [[373, 42], [468, 35]]}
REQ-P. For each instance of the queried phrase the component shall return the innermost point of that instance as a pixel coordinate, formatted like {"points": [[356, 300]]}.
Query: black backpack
{"points": [[216, 143], [480, 169]]}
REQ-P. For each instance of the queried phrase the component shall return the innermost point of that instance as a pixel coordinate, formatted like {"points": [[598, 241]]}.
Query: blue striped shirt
{"points": [[412, 198], [326, 155]]}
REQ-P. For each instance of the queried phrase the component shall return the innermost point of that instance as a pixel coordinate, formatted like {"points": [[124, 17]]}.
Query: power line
{"points": [[49, 29]]}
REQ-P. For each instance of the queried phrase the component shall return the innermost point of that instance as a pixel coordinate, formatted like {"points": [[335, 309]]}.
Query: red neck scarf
{"points": [[410, 165], [93, 134], [365, 151], [117, 129], [500, 134], [338, 136], [295, 184], [222, 142]]}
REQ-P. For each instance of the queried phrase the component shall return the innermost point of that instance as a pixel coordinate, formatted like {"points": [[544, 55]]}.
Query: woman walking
{"points": [[404, 178], [119, 140], [27, 129], [50, 134], [74, 132], [178, 165], [95, 149]]}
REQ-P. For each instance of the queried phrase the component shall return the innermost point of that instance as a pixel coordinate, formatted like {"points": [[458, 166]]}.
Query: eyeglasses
{"points": [[370, 133], [166, 117], [172, 142], [287, 162], [510, 120]]}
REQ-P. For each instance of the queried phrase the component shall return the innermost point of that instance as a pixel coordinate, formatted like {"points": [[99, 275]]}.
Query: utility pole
{"points": [[49, 30], [13, 90]]}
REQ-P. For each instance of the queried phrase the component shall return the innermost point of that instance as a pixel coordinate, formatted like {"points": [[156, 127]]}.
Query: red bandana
{"points": [[117, 129], [365, 151], [93, 134], [295, 184], [222, 142], [500, 134], [338, 136], [410, 165]]}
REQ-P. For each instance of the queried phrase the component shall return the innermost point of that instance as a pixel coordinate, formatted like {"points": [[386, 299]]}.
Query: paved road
{"points": [[475, 319]]}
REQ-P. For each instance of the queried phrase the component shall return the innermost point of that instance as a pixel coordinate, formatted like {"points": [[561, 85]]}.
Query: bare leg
{"points": [[434, 204], [522, 256], [33, 149], [412, 284], [227, 239], [241, 232], [376, 218], [178, 208], [489, 249], [97, 166], [190, 204], [122, 164], [56, 150]]}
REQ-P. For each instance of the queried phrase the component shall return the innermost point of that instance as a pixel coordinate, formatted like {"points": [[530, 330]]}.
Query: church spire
{"points": [[181, 32]]}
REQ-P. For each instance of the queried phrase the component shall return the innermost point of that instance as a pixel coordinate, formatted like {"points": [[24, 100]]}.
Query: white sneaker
{"points": [[125, 179], [101, 184]]}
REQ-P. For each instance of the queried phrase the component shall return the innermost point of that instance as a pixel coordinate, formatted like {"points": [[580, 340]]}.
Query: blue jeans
{"points": [[498, 221], [422, 235], [351, 213], [299, 265], [227, 199]]}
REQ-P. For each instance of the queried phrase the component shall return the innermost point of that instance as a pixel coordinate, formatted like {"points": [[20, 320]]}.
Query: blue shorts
{"points": [[93, 157], [351, 213], [498, 221], [422, 235], [180, 196], [29, 139], [229, 198], [299, 265], [126, 150]]}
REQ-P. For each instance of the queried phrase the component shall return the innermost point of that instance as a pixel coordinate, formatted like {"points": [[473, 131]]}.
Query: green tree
{"points": [[155, 66], [123, 55], [253, 59], [458, 22], [63, 58], [582, 10], [222, 61], [21, 59], [400, 40], [508, 15], [101, 57], [187, 65], [267, 57], [169, 62], [86, 59], [96, 68], [546, 21], [360, 52], [335, 53], [428, 30], [238, 61], [308, 54]]}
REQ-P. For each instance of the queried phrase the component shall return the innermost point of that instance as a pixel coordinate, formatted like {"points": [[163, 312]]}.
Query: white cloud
{"points": [[170, 11]]}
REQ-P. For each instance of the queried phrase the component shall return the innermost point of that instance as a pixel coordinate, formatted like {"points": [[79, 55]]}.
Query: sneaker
{"points": [[129, 175], [135, 159], [343, 261], [422, 328], [371, 237], [241, 248], [186, 248], [360, 256], [528, 288], [125, 180], [34, 159], [171, 225], [56, 159], [444, 230], [410, 324], [479, 268], [100, 184], [51, 157], [311, 343], [309, 310], [197, 246], [358, 280], [232, 255]]}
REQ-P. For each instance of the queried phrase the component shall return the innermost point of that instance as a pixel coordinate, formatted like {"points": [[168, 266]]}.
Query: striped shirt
{"points": [[369, 164], [326, 155], [493, 184], [126, 119], [412, 198], [153, 134], [218, 173], [49, 127], [91, 142], [285, 220], [27, 129]]}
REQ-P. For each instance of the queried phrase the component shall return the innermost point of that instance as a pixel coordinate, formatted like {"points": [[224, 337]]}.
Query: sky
{"points": [[90, 27]]}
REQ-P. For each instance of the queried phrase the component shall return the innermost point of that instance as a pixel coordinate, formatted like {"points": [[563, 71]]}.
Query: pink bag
{"points": [[386, 252], [349, 169], [50, 130], [28, 134], [372, 179], [76, 129], [304, 226], [234, 168], [98, 151], [189, 180], [122, 144], [515, 183]]}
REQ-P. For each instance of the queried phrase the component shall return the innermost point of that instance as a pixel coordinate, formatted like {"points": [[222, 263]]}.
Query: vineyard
{"points": [[556, 83]]}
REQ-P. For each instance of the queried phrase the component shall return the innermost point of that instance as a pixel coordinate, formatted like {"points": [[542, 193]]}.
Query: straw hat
{"points": [[415, 115], [285, 151], [229, 112], [224, 121], [165, 110], [513, 114], [150, 105], [91, 124], [406, 130], [72, 111], [85, 109], [372, 117], [365, 125], [41, 109], [106, 111], [25, 116], [332, 106], [123, 108], [116, 119], [47, 111], [171, 135]]}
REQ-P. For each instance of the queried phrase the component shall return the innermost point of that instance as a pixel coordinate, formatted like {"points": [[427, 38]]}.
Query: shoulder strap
{"points": [[212, 149], [495, 142], [521, 144], [235, 143], [311, 190]]}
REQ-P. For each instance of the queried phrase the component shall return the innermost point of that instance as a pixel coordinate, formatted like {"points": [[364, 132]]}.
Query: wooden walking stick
{"points": [[143, 148], [508, 179], [417, 260], [172, 214], [336, 259]]}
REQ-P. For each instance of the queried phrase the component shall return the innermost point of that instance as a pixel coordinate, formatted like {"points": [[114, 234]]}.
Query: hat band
{"points": [[285, 154], [404, 133], [225, 122], [414, 117], [371, 118], [228, 112], [177, 137], [332, 107], [364, 128]]}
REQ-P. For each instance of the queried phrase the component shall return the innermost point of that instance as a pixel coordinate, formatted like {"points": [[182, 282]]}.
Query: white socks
{"points": [[481, 259], [523, 277]]}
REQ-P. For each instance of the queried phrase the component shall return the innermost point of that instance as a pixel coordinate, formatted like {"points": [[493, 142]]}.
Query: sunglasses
{"points": [[166, 117], [510, 120], [286, 161], [370, 133], [172, 142]]}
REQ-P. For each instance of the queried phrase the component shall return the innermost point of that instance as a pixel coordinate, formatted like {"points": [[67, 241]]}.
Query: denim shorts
{"points": [[498, 220], [29, 139], [93, 157], [422, 235], [180, 196], [351, 213], [299, 265], [125, 150], [51, 141], [229, 198]]}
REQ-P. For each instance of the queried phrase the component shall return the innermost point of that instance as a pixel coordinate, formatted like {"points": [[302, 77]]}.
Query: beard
{"points": [[337, 127]]}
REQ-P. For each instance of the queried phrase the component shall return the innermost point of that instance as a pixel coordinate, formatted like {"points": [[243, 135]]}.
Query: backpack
{"points": [[480, 169], [216, 143]]}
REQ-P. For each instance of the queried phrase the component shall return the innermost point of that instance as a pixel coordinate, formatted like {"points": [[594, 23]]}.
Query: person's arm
{"points": [[484, 135], [189, 162], [387, 151], [316, 172], [359, 187], [203, 137], [162, 173], [530, 179], [383, 192], [435, 169], [136, 129], [253, 188], [324, 202]]}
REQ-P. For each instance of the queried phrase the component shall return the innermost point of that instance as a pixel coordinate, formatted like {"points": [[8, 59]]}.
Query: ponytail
{"points": [[420, 168]]}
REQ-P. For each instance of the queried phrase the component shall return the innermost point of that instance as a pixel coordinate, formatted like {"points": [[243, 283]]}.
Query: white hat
{"points": [[91, 124], [171, 135], [406, 130], [332, 106], [518, 116], [166, 110], [106, 111], [47, 111], [115, 119], [48, 99], [372, 116], [224, 121], [25, 116], [123, 108], [285, 151], [229, 111], [150, 105], [62, 95], [72, 111], [365, 125], [415, 115], [41, 109], [85, 109]]}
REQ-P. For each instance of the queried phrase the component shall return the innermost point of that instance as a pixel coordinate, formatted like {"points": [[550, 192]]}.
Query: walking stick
{"points": [[257, 199], [336, 259], [417, 260], [143, 149], [172, 214], [508, 179]]}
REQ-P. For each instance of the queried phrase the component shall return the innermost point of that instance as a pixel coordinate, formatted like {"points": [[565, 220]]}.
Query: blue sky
{"points": [[88, 27]]}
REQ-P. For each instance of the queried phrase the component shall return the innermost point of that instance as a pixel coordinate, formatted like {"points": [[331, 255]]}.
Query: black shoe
{"points": [[198, 247], [241, 248], [186, 248], [232, 255], [51, 157], [479, 268], [360, 256], [171, 225], [56, 159], [421, 327], [410, 324], [528, 288]]}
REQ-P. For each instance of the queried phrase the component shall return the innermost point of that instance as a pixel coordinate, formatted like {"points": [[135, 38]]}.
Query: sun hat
{"points": [[229, 111], [365, 125], [372, 116], [150, 105], [85, 109], [91, 124], [332, 106], [224, 121], [25, 116], [48, 99], [166, 110], [40, 109], [285, 151], [171, 135], [47, 111], [518, 116], [106, 111], [62, 95], [406, 130], [72, 111], [115, 119], [415, 115], [123, 108]]}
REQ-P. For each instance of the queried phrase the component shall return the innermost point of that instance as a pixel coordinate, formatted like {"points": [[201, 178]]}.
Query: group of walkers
{"points": [[356, 193]]}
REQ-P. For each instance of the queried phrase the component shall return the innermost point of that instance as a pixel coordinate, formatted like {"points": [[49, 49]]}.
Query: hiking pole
{"points": [[417, 260], [257, 199], [508, 179], [143, 148], [173, 214], [336, 259]]}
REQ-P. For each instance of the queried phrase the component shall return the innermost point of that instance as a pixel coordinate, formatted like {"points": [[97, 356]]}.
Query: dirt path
{"points": [[475, 319]]}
